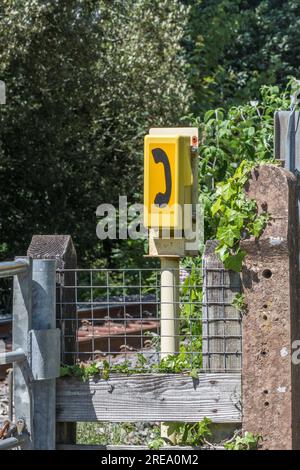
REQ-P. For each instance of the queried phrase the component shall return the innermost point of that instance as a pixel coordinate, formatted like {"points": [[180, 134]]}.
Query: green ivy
{"points": [[239, 303], [227, 137], [249, 441], [173, 363], [184, 434], [237, 216]]}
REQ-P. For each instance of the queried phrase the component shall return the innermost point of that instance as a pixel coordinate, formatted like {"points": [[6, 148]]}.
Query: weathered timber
{"points": [[221, 321], [135, 447], [150, 397]]}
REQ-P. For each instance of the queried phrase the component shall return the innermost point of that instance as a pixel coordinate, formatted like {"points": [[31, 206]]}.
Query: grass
{"points": [[117, 433]]}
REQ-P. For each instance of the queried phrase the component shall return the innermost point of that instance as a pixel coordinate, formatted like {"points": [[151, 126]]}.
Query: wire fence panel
{"points": [[118, 317]]}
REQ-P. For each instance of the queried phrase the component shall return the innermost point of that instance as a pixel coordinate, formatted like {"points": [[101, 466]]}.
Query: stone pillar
{"points": [[270, 278]]}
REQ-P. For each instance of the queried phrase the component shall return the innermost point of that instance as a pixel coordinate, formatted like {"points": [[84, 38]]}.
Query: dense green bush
{"points": [[236, 46], [243, 132], [85, 81]]}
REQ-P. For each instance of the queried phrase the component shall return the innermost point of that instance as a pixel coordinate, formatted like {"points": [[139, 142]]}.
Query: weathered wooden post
{"points": [[61, 248], [270, 379], [221, 324], [221, 321]]}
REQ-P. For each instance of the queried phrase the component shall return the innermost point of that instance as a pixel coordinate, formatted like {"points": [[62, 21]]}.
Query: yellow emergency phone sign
{"points": [[167, 180]]}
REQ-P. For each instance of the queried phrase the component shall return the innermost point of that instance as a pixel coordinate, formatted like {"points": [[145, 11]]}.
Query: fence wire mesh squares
{"points": [[117, 317]]}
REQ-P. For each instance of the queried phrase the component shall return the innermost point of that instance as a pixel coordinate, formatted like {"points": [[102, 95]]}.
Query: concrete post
{"points": [[270, 378]]}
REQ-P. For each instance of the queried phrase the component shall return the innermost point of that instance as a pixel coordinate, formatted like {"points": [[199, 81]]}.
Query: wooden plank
{"points": [[132, 448], [151, 397]]}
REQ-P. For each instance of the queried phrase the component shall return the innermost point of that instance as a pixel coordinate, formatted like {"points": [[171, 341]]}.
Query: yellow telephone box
{"points": [[168, 180]]}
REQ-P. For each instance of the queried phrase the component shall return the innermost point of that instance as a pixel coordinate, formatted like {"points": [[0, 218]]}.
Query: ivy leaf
{"points": [[156, 444], [234, 262], [236, 217], [216, 206], [194, 374], [223, 252], [228, 235]]}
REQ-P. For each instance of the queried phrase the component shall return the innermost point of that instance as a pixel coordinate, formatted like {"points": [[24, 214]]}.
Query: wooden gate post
{"points": [[61, 248], [270, 379], [221, 321], [221, 324]]}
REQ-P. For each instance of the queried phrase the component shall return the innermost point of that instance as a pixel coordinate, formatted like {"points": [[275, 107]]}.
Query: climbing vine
{"points": [[248, 441], [232, 142], [237, 216]]}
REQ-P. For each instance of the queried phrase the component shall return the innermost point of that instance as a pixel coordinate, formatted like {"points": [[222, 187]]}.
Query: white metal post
{"points": [[169, 330], [169, 322]]}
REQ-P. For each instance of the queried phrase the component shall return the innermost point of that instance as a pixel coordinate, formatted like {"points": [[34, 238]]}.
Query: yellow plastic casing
{"points": [[176, 149]]}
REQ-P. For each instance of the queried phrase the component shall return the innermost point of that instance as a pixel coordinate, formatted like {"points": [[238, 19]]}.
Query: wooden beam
{"points": [[133, 447], [151, 397]]}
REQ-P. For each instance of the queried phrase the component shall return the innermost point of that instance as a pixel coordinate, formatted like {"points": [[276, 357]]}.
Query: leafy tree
{"points": [[85, 80], [236, 46], [242, 133]]}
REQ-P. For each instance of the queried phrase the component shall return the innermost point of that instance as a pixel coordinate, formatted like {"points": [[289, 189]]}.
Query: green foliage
{"points": [[189, 434], [247, 442], [239, 302], [117, 433], [237, 217], [156, 443], [102, 369], [241, 135], [233, 47], [228, 137], [85, 81], [83, 371]]}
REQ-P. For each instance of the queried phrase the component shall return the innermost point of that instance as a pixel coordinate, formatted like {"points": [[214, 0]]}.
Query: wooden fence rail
{"points": [[151, 397]]}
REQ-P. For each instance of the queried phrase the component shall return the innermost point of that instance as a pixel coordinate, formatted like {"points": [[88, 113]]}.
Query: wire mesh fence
{"points": [[114, 316]]}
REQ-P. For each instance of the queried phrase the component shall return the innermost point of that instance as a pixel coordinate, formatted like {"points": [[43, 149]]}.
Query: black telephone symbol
{"points": [[162, 199]]}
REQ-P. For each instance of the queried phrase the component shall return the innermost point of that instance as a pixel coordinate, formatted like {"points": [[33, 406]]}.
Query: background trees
{"points": [[87, 78], [236, 46]]}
